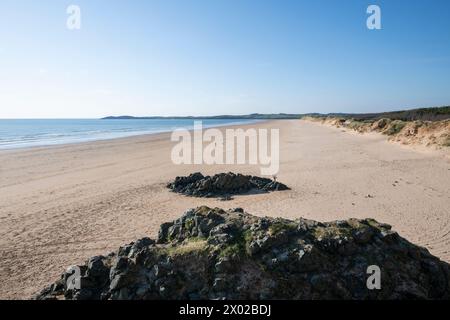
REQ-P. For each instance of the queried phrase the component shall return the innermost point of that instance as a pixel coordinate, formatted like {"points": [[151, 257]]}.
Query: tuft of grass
{"points": [[373, 223], [446, 142], [331, 232], [355, 124], [203, 210], [395, 127], [234, 249], [189, 224], [239, 246], [187, 247], [280, 226]]}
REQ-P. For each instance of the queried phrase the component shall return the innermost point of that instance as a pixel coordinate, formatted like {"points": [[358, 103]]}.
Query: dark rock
{"points": [[223, 185], [216, 254], [96, 268], [363, 235]]}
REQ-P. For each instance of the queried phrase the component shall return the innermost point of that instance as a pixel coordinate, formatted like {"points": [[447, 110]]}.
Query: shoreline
{"points": [[63, 204], [229, 124]]}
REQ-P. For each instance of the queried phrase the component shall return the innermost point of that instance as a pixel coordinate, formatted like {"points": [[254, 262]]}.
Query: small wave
{"points": [[32, 133]]}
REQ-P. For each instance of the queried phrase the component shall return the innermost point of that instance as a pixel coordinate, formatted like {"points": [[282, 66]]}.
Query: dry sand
{"points": [[60, 205]]}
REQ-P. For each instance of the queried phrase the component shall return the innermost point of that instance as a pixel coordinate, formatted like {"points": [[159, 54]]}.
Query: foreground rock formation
{"points": [[217, 254], [223, 185]]}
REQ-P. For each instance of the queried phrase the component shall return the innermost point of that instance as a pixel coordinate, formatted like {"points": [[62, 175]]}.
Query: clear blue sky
{"points": [[210, 57]]}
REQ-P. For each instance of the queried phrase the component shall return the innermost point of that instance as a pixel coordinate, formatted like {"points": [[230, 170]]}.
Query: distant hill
{"points": [[255, 116], [425, 114]]}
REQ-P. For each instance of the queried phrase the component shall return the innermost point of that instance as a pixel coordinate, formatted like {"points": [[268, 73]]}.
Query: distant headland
{"points": [[255, 116], [424, 114]]}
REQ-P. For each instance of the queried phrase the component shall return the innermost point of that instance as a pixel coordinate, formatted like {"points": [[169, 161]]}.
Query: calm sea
{"points": [[31, 133]]}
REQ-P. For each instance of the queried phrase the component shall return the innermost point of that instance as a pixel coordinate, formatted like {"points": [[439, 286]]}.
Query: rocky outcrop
{"points": [[217, 254], [223, 185]]}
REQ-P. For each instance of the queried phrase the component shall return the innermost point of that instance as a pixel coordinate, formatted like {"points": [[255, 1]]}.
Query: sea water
{"points": [[24, 133]]}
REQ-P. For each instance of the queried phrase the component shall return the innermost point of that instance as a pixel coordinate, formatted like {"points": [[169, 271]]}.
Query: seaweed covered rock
{"points": [[216, 254], [223, 185]]}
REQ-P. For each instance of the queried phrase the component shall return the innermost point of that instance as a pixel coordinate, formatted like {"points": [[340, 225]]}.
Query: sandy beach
{"points": [[60, 205]]}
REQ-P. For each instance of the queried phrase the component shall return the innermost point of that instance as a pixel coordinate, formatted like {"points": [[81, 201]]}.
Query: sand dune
{"points": [[433, 134], [62, 204]]}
